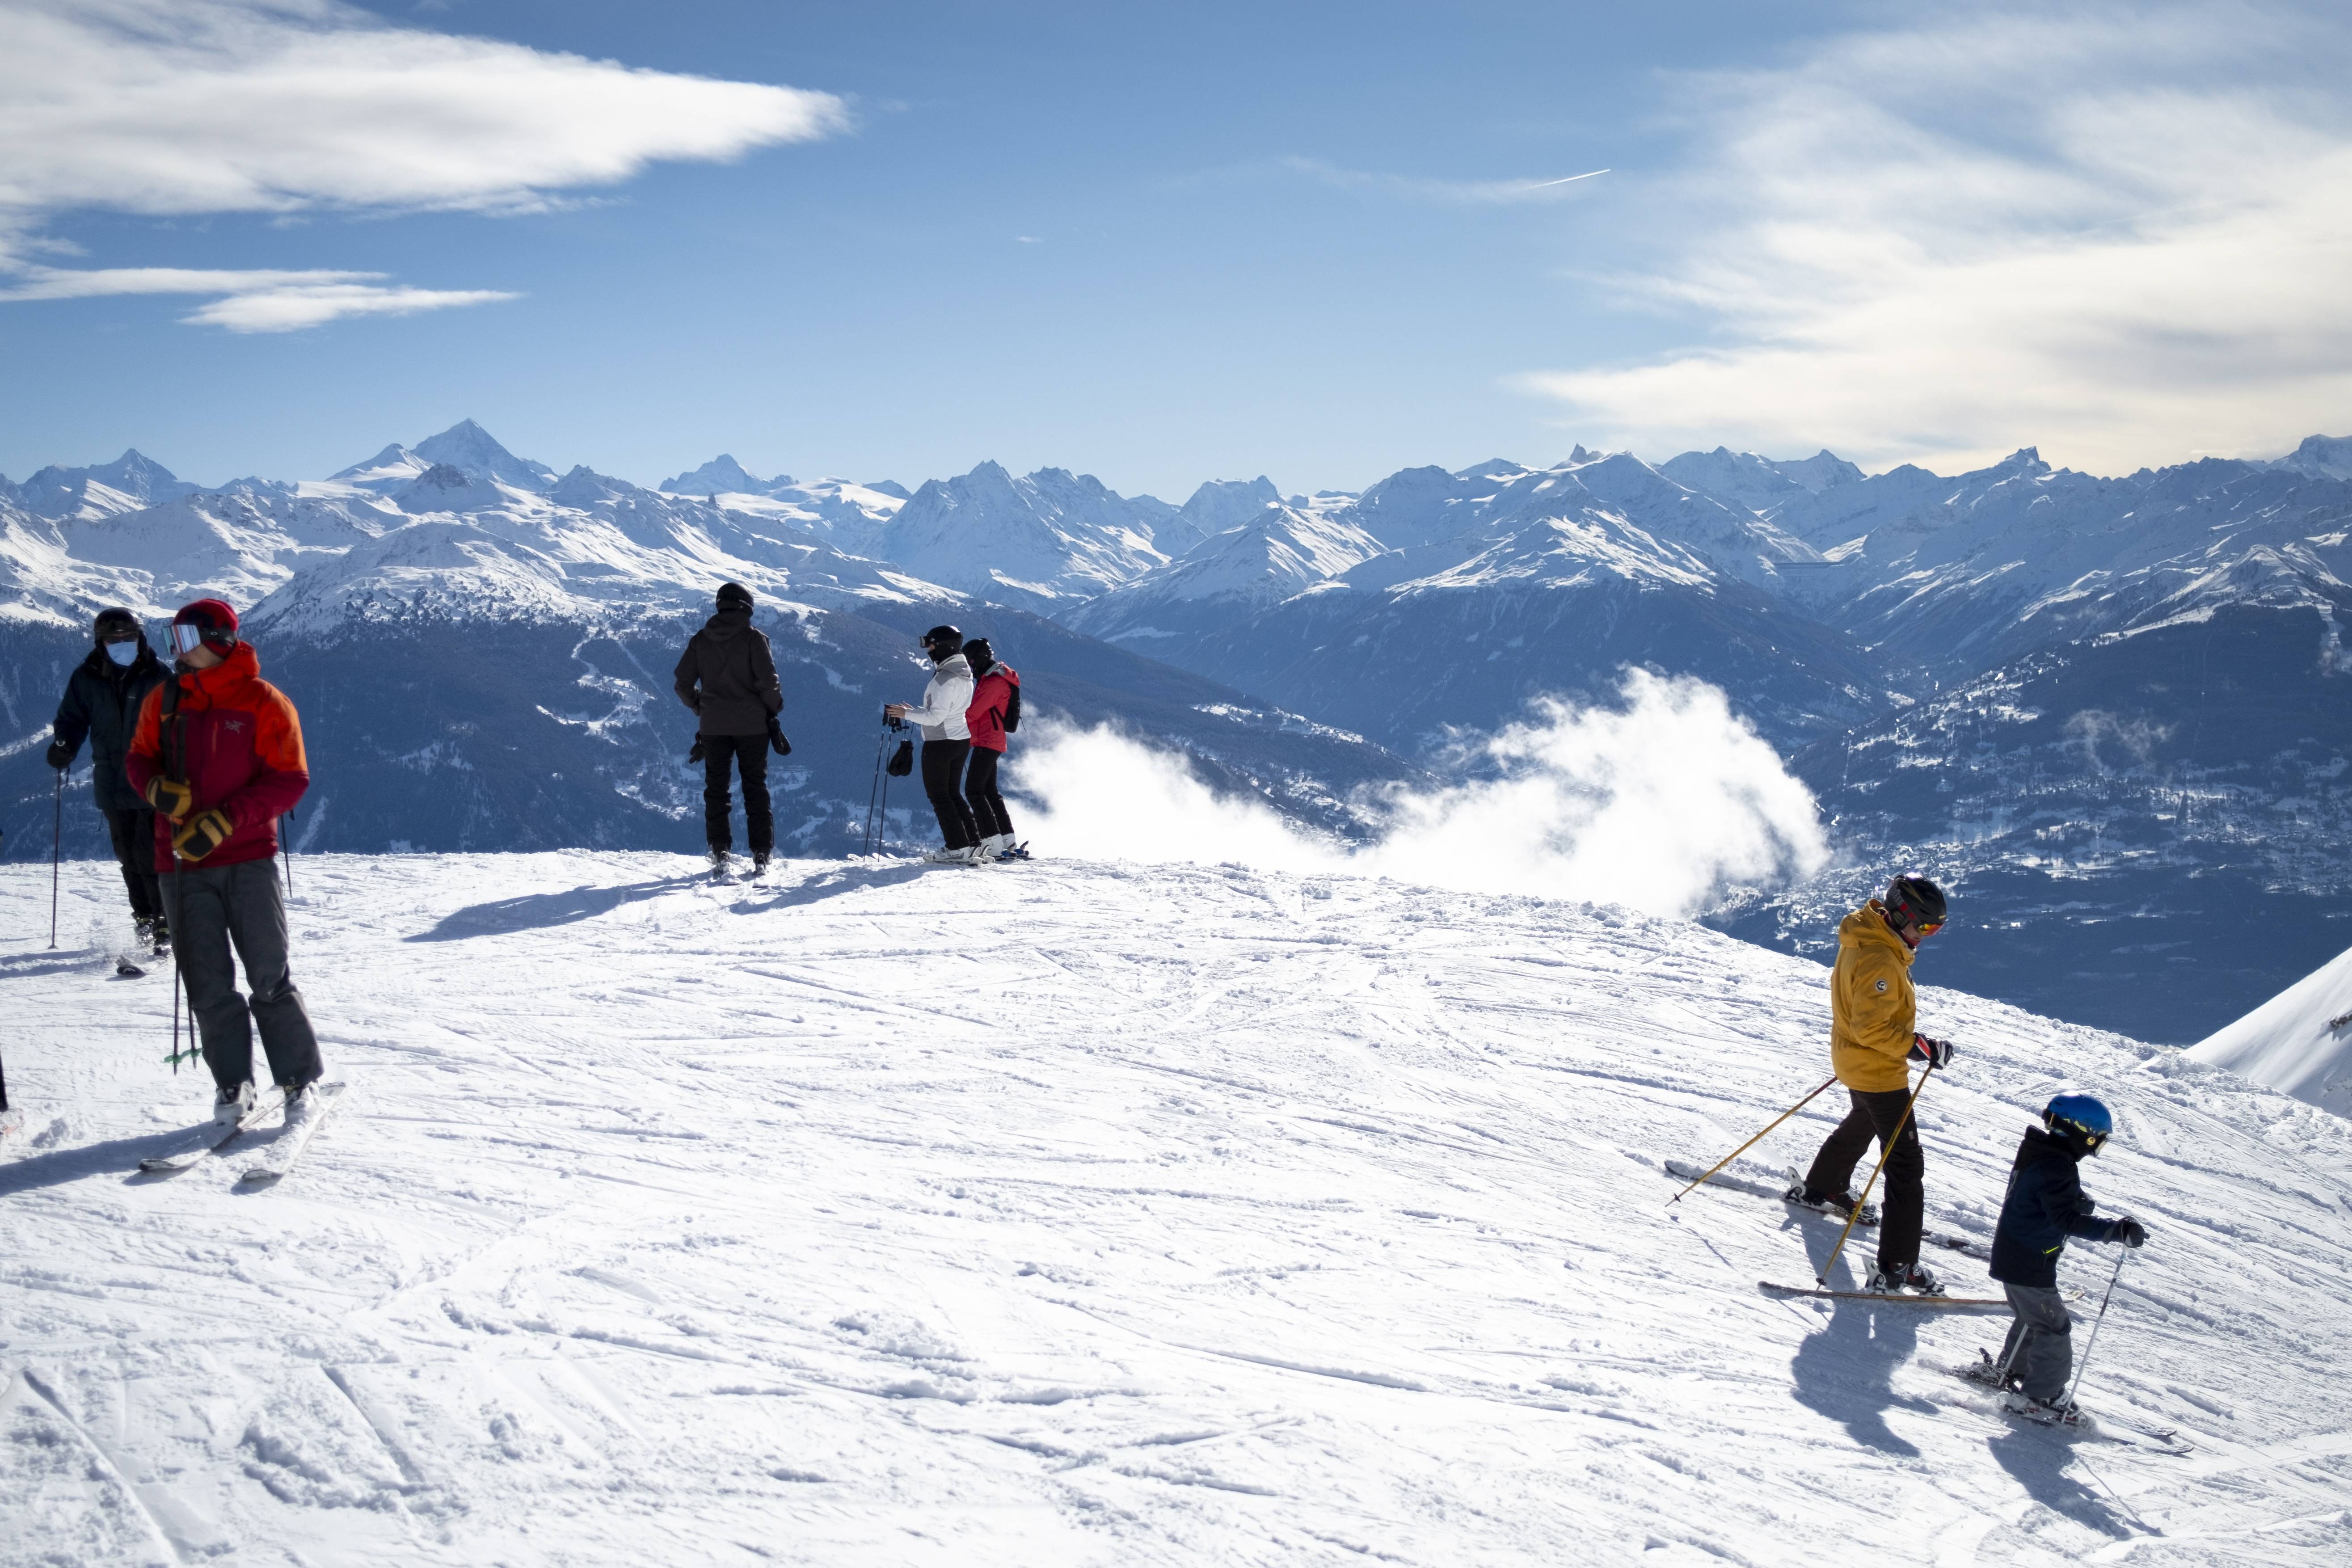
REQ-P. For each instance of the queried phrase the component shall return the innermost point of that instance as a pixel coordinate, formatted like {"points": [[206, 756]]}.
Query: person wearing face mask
{"points": [[101, 706], [218, 753]]}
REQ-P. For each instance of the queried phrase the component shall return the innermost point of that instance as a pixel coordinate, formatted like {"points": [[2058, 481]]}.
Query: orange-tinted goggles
{"points": [[1928, 928]]}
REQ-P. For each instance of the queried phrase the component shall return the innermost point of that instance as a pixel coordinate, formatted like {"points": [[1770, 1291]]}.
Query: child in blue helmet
{"points": [[2046, 1203]]}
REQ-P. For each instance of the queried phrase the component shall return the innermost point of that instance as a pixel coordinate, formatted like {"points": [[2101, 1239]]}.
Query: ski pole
{"points": [[285, 848], [1734, 1154], [865, 843], [2121, 1253], [56, 854], [1886, 1148]]}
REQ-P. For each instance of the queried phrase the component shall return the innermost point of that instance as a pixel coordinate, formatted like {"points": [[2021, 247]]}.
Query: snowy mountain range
{"points": [[2108, 710]]}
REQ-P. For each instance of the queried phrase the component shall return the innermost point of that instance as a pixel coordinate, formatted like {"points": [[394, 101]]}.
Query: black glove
{"points": [[696, 754], [2130, 1232], [902, 761], [59, 754], [776, 741], [1935, 1053]]}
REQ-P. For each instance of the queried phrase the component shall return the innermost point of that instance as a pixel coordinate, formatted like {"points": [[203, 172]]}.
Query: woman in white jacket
{"points": [[947, 741]]}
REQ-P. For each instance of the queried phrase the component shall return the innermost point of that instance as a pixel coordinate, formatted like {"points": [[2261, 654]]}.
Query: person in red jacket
{"points": [[218, 752], [995, 698]]}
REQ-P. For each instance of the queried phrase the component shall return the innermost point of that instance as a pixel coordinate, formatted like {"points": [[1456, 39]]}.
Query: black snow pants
{"points": [[134, 832], [942, 776], [980, 790], [1874, 1115], [750, 753], [213, 908]]}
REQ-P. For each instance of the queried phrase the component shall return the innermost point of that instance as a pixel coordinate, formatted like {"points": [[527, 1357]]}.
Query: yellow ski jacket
{"points": [[1873, 1009]]}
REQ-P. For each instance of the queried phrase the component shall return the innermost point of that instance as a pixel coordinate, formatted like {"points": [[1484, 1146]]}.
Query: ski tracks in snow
{"points": [[1094, 1214]]}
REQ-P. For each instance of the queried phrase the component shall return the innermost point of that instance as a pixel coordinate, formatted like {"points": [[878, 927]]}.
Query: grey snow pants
{"points": [[2040, 1350], [213, 908]]}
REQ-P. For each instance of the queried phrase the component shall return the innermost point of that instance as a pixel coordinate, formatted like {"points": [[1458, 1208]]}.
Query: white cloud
{"points": [[1663, 802], [251, 301], [1419, 188], [2119, 232], [187, 107]]}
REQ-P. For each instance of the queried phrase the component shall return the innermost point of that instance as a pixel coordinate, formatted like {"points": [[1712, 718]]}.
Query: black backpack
{"points": [[1013, 711]]}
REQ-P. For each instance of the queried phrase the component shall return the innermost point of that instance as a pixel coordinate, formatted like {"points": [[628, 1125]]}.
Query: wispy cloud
{"points": [[251, 301], [2119, 231], [188, 106], [1417, 187]]}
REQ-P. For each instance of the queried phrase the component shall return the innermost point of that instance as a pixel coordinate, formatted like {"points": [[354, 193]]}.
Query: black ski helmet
{"points": [[1916, 902], [115, 619], [734, 596], [942, 641], [981, 653]]}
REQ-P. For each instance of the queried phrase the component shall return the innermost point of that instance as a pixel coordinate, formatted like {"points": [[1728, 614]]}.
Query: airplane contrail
{"points": [[1542, 185]]}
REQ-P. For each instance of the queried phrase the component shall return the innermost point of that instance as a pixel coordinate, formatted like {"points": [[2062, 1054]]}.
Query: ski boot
{"points": [[1988, 1372], [231, 1107], [2056, 1413], [1840, 1204], [946, 856], [159, 932], [758, 863], [1894, 1281], [721, 865]]}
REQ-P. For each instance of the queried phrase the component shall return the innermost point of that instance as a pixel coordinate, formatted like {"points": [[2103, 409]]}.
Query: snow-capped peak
{"points": [[723, 476]]}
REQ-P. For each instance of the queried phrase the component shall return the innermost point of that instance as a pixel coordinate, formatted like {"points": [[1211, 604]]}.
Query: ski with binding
{"points": [[1886, 1298], [280, 1157], [213, 1136], [2116, 1429], [1684, 1171]]}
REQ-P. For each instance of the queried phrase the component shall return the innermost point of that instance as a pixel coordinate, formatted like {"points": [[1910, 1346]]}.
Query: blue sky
{"points": [[1164, 244]]}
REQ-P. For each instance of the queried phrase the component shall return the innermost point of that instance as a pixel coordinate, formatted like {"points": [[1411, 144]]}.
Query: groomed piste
{"points": [[1092, 1214]]}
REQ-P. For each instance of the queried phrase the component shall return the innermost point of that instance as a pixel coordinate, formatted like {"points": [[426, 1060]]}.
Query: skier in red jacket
{"points": [[996, 709], [218, 752]]}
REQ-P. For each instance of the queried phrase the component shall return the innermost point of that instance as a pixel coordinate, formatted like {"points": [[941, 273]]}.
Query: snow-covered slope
{"points": [[1091, 1215], [2299, 1042]]}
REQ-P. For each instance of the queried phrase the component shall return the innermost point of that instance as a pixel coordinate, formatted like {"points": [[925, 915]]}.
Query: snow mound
{"points": [[2299, 1042], [1090, 1213]]}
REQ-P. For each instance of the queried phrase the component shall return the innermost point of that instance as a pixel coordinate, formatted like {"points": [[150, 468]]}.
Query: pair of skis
{"points": [[1684, 1171], [276, 1160], [2108, 1428]]}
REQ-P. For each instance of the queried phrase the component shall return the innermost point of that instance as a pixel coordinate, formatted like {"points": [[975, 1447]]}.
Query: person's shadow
{"points": [[1846, 1371], [2038, 1459], [58, 1166], [533, 911]]}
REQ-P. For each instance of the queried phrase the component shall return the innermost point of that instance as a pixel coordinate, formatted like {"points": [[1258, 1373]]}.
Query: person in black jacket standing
{"points": [[728, 676], [2046, 1203], [101, 705]]}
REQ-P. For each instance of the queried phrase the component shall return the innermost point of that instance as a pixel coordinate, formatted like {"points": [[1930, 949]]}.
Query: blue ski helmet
{"points": [[2079, 1120]]}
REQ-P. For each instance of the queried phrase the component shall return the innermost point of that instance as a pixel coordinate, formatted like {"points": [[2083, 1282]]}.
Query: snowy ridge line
{"points": [[1060, 1315]]}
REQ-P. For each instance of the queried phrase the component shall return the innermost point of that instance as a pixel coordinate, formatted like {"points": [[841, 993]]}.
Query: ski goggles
{"points": [[186, 636], [1928, 928]]}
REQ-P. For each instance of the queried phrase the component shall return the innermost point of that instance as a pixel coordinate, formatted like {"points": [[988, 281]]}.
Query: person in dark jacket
{"points": [[2046, 1203], [101, 705], [995, 693], [218, 755], [728, 676]]}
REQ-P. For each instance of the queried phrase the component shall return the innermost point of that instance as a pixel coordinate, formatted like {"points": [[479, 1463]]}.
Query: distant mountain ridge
{"points": [[2091, 704]]}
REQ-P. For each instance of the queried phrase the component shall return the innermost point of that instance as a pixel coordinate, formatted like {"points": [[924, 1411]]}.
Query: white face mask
{"points": [[122, 653]]}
